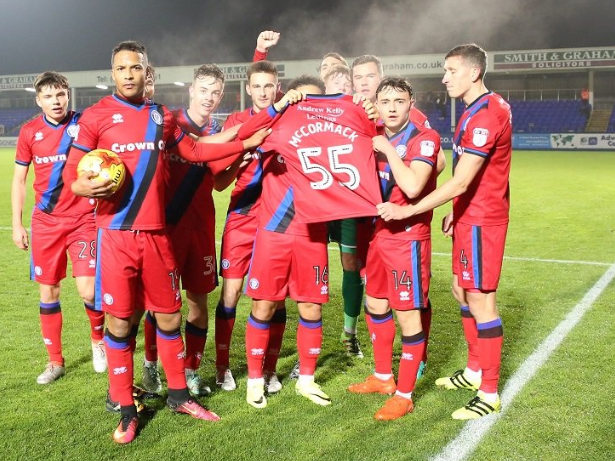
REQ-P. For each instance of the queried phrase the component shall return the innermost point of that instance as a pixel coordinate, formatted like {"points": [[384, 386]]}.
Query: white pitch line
{"points": [[510, 258], [470, 436], [540, 260]]}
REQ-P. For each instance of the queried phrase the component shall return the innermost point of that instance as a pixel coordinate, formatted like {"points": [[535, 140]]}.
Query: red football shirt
{"points": [[140, 134], [190, 185], [46, 146], [326, 142], [485, 129], [415, 143], [247, 191]]}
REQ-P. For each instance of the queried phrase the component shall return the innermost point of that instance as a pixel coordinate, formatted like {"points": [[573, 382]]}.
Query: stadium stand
{"points": [[547, 116], [14, 118], [611, 127]]}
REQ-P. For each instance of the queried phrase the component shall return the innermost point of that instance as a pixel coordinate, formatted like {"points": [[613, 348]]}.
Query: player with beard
{"points": [[135, 264]]}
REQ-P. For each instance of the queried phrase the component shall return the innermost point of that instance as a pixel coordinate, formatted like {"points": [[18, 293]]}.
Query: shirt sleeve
{"points": [[481, 134], [23, 155], [426, 148]]}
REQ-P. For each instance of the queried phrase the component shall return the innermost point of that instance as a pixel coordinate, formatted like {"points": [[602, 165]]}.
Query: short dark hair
{"points": [[262, 67], [129, 45], [50, 78], [337, 56], [209, 70], [396, 83], [304, 80], [473, 54], [367, 58]]}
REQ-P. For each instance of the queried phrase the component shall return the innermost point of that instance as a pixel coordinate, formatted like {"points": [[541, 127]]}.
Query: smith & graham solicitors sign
{"points": [[17, 82], [558, 59]]}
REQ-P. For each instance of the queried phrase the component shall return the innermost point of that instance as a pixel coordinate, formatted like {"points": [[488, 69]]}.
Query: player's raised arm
{"points": [[265, 40]]}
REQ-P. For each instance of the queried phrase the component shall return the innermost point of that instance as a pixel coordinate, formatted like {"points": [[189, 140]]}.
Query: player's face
{"points": [[205, 95], [262, 87], [458, 77], [394, 107], [365, 79], [54, 103], [339, 83], [327, 63], [129, 75]]}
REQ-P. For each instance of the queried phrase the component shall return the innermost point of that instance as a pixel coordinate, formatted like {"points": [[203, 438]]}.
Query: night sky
{"points": [[71, 35]]}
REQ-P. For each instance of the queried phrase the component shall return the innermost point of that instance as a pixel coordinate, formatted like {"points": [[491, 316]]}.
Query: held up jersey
{"points": [[485, 129], [415, 143], [46, 147], [326, 143]]}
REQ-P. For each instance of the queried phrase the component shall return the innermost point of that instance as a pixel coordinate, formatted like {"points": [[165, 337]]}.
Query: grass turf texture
{"points": [[562, 209]]}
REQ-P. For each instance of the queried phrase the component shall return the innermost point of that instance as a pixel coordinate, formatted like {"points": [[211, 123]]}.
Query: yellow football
{"points": [[104, 164]]}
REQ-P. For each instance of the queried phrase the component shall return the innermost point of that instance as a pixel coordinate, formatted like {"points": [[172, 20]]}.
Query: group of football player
{"points": [[131, 248]]}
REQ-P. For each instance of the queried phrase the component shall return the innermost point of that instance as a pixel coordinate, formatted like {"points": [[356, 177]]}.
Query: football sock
{"points": [[412, 348], [276, 335], [149, 334], [471, 333], [134, 331], [97, 322], [179, 395], [352, 292], [489, 398], [257, 339], [225, 321], [490, 337], [171, 351], [120, 368], [305, 379], [195, 345], [382, 333], [405, 395], [426, 323], [473, 374], [383, 376], [309, 342], [51, 328]]}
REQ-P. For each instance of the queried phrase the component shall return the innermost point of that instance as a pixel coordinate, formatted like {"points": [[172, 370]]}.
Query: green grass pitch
{"points": [[562, 214]]}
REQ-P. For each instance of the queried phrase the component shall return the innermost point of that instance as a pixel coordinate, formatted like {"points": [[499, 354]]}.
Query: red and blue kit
{"points": [[299, 248], [140, 134], [61, 221], [241, 220], [399, 255], [326, 142], [484, 129], [190, 213], [46, 146]]}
